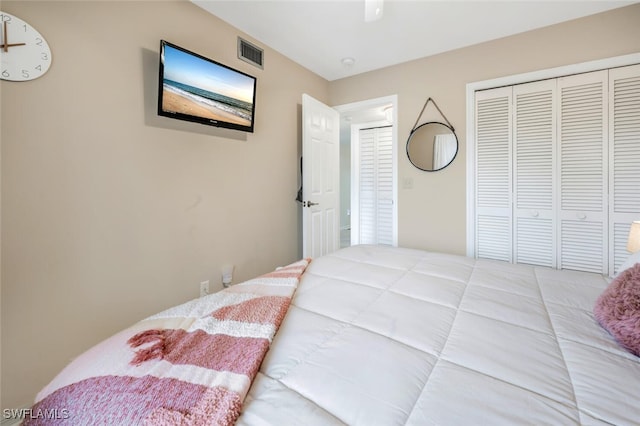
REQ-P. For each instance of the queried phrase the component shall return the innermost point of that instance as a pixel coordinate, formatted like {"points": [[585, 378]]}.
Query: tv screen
{"points": [[194, 88]]}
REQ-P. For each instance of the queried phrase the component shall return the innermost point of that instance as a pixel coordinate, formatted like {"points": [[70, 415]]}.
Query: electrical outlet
{"points": [[204, 288]]}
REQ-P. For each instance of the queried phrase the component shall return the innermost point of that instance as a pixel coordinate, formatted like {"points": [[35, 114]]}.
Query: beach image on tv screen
{"points": [[200, 88]]}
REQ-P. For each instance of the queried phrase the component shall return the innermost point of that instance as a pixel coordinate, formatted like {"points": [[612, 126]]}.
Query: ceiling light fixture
{"points": [[373, 10], [348, 62]]}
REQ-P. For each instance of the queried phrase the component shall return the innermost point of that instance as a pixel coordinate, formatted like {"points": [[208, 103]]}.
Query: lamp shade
{"points": [[633, 244]]}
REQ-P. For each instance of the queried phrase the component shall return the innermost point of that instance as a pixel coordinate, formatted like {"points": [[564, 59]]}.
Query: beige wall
{"points": [[432, 214], [110, 213]]}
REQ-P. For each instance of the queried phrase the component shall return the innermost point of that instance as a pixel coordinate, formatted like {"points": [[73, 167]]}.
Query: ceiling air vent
{"points": [[250, 53]]}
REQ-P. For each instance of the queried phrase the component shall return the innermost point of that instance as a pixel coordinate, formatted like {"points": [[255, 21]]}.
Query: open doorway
{"points": [[368, 212]]}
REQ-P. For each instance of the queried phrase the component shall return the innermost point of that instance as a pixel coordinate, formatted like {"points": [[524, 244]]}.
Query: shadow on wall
{"points": [[150, 63]]}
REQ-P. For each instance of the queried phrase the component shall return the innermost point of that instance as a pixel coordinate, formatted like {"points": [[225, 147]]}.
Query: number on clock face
{"points": [[24, 52]]}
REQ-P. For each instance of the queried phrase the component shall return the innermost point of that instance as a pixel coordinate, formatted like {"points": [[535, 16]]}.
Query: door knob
{"points": [[309, 204]]}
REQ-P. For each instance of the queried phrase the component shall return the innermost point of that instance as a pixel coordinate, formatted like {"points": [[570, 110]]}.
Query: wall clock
{"points": [[24, 53]]}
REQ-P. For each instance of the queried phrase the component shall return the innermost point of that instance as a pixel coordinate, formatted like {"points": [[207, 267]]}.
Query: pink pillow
{"points": [[618, 309]]}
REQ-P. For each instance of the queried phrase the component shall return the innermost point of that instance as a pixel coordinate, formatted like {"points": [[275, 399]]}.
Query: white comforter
{"points": [[388, 336]]}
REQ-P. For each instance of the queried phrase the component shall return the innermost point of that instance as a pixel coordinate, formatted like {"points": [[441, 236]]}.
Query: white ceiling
{"points": [[319, 34]]}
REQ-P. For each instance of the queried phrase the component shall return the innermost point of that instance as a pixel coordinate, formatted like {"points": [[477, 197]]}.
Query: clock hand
{"points": [[2, 46], [6, 45]]}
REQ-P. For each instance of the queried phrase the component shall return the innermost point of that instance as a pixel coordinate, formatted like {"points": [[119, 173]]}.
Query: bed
{"points": [[377, 335]]}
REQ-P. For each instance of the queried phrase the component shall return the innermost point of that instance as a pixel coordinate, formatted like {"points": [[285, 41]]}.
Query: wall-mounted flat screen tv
{"points": [[198, 89]]}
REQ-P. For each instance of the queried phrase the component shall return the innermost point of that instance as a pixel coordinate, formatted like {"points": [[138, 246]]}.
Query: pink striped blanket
{"points": [[189, 365]]}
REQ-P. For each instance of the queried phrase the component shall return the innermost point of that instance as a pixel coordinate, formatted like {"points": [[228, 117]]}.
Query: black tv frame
{"points": [[214, 108]]}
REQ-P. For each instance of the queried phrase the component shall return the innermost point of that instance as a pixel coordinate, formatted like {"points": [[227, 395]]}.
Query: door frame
{"points": [[350, 108]]}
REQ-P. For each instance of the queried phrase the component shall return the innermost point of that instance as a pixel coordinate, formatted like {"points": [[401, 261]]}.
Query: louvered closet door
{"points": [[624, 160], [376, 186], [534, 136], [493, 238], [582, 125], [367, 177], [384, 196]]}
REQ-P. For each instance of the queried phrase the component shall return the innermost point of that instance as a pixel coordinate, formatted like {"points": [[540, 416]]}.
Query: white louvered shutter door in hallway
{"points": [[384, 230], [376, 186], [367, 222]]}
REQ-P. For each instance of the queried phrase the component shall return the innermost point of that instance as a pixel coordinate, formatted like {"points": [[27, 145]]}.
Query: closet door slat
{"points": [[534, 140], [493, 175], [582, 169], [367, 222], [384, 190], [624, 146]]}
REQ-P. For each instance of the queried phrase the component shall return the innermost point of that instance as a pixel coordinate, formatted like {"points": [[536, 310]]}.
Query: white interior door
{"points": [[320, 178]]}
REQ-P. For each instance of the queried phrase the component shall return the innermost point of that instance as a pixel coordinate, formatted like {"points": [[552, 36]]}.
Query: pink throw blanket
{"points": [[189, 365]]}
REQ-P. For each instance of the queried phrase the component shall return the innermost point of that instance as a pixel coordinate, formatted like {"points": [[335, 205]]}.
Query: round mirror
{"points": [[432, 146]]}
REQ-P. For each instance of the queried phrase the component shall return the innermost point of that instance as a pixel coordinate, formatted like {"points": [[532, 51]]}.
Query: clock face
{"points": [[24, 53]]}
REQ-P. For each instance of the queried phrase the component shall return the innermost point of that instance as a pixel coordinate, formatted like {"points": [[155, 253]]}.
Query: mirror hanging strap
{"points": [[425, 107]]}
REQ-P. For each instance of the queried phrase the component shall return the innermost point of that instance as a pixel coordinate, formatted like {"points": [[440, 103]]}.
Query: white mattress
{"points": [[387, 336]]}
